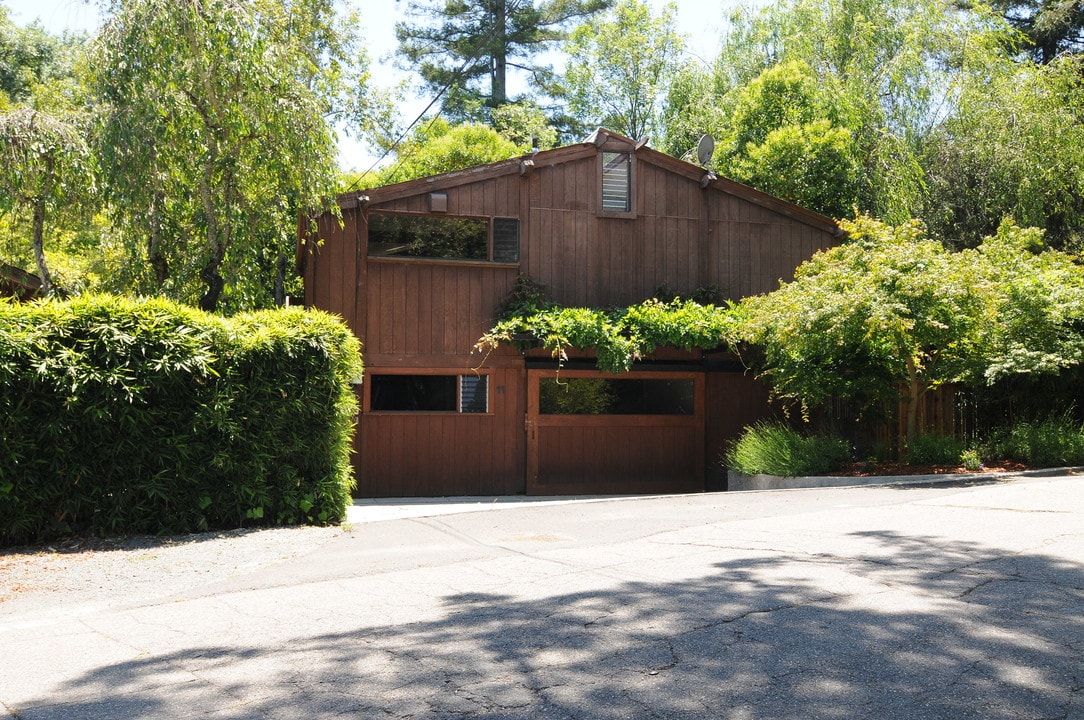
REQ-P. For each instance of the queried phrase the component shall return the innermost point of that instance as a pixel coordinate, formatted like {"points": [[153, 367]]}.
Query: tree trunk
{"points": [[280, 280], [914, 396], [39, 246], [499, 84], [216, 246], [214, 282], [155, 256], [39, 226]]}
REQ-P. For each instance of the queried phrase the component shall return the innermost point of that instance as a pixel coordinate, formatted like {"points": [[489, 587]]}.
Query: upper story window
{"points": [[442, 237], [616, 182]]}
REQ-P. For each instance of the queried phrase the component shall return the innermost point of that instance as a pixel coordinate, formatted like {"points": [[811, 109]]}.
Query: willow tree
{"points": [[214, 134], [46, 171], [1015, 146]]}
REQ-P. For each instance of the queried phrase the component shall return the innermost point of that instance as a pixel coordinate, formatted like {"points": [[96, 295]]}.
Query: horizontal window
{"points": [[429, 236], [441, 237], [603, 396], [429, 393]]}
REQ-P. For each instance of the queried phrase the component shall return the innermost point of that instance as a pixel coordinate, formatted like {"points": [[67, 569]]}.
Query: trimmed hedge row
{"points": [[124, 416]]}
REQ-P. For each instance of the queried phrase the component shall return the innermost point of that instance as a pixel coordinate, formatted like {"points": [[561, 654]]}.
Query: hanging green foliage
{"points": [[620, 336]]}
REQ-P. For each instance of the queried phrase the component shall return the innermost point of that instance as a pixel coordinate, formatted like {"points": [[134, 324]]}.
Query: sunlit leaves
{"points": [[620, 337], [620, 67], [439, 147], [214, 137], [891, 314]]}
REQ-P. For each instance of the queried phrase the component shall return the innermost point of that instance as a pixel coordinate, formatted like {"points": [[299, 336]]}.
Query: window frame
{"points": [[630, 156], [489, 220], [459, 375]]}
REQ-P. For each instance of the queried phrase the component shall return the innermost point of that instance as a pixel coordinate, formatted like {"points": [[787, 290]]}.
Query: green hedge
{"points": [[127, 416]]}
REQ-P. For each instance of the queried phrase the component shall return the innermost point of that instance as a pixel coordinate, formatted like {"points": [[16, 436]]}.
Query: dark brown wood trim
{"points": [[442, 261]]}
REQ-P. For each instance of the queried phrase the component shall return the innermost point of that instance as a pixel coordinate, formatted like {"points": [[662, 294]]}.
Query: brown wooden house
{"points": [[18, 283], [418, 269]]}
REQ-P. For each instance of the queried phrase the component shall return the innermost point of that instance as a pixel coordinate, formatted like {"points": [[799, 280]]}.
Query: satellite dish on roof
{"points": [[705, 149]]}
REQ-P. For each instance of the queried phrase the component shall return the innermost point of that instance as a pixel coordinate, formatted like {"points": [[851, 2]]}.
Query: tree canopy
{"points": [[464, 48], [439, 146], [214, 137], [620, 67], [892, 309], [790, 136], [876, 77]]}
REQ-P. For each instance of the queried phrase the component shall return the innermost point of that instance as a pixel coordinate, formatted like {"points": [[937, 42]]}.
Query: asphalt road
{"points": [[865, 602]]}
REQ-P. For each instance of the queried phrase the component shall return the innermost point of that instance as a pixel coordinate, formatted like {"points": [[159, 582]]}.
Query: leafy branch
{"points": [[619, 336]]}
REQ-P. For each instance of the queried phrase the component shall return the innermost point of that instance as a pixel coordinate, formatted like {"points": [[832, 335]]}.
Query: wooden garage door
{"points": [[597, 433]]}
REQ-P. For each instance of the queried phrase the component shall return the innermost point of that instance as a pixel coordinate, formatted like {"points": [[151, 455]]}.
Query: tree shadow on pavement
{"points": [[912, 627]]}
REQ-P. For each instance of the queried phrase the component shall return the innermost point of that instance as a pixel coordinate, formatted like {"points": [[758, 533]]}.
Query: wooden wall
{"points": [[425, 316], [683, 237], [430, 313], [735, 400], [447, 454]]}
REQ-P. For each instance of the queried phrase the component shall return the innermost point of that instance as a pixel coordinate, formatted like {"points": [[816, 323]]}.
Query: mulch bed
{"points": [[872, 469]]}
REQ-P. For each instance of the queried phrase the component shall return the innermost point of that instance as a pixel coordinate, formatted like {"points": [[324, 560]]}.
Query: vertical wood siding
{"points": [[427, 315], [431, 309], [735, 400], [439, 454]]}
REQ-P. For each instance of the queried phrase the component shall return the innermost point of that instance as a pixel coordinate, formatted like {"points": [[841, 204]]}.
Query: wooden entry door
{"points": [[643, 436]]}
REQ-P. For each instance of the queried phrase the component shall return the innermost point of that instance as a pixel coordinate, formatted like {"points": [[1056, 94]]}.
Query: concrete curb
{"points": [[738, 482], [366, 510]]}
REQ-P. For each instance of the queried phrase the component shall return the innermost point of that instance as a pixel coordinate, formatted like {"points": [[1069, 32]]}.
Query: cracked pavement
{"points": [[863, 602]]}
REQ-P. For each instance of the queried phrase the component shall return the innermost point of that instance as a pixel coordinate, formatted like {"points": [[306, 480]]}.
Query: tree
{"points": [[1015, 147], [1052, 27], [691, 108], [886, 310], [621, 66], [892, 314], [25, 56], [46, 171], [439, 147], [1034, 321], [813, 165], [790, 136], [896, 68], [463, 48], [525, 124], [214, 133]]}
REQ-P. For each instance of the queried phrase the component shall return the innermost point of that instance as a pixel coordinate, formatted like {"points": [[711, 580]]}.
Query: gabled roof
{"points": [[597, 141], [18, 283]]}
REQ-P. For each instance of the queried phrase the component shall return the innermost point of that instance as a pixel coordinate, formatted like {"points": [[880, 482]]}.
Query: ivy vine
{"points": [[619, 336]]}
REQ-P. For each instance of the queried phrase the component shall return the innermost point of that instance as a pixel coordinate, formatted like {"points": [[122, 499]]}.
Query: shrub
{"points": [[142, 416], [776, 449], [930, 449], [1055, 441], [971, 460]]}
